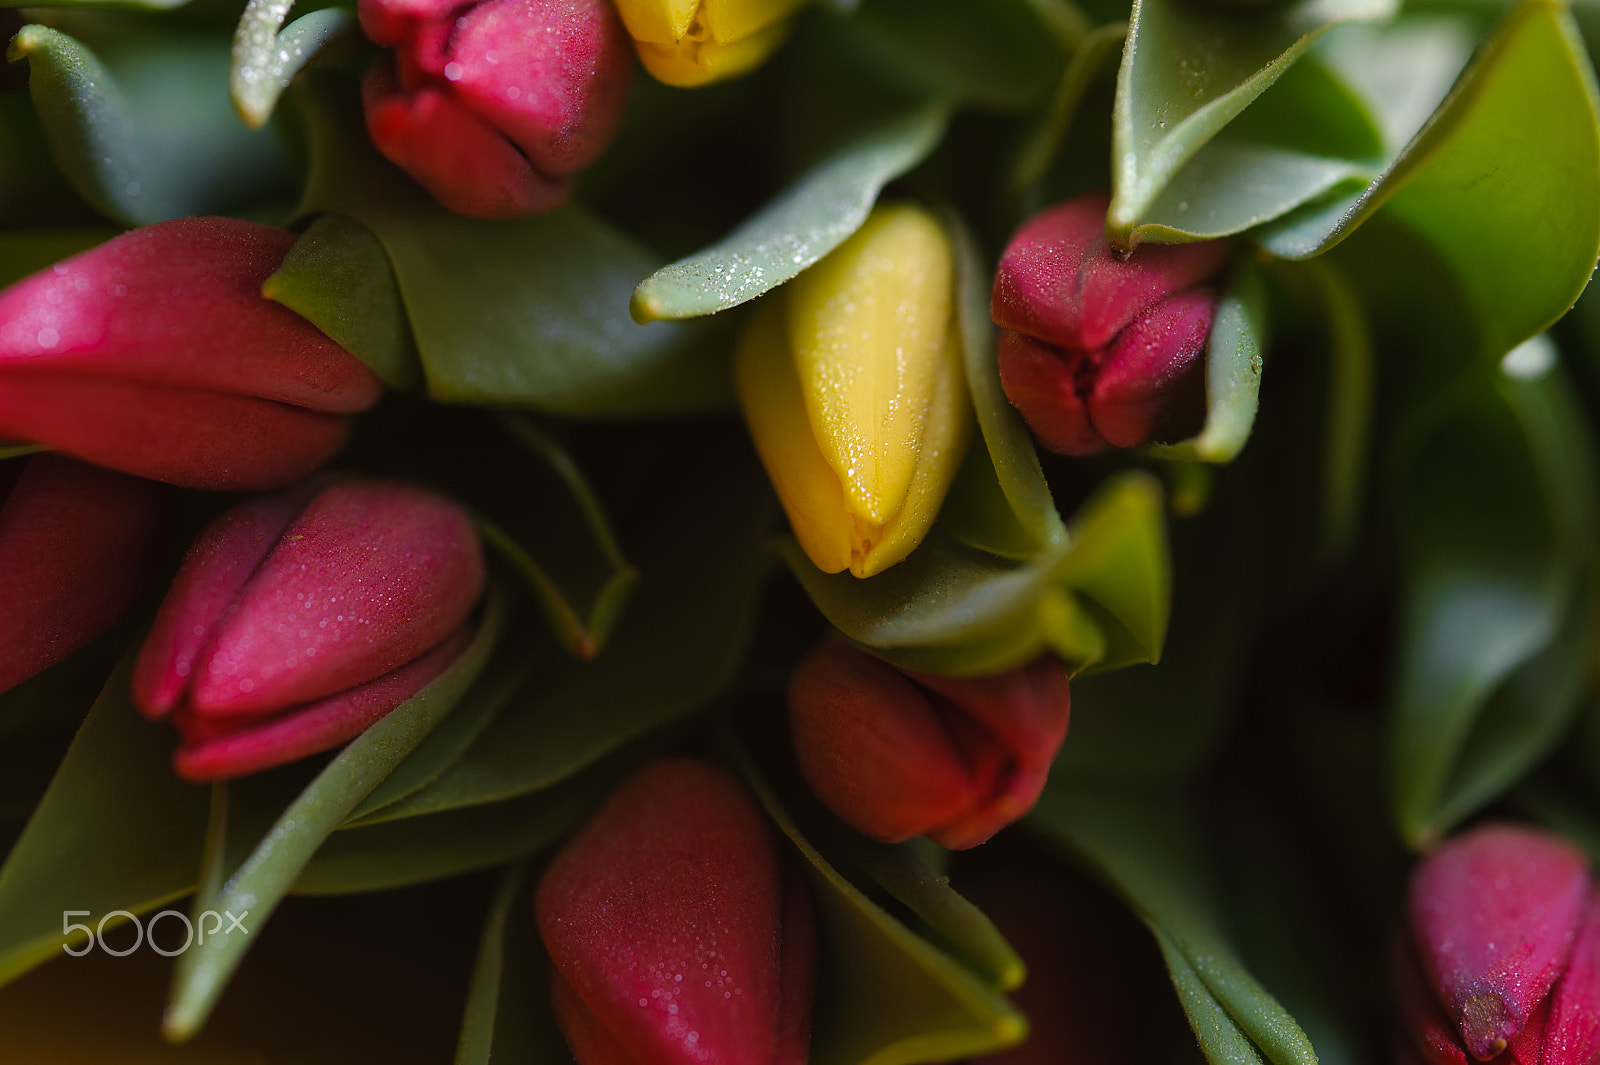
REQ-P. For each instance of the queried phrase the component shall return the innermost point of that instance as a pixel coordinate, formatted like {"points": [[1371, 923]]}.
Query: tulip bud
{"points": [[1099, 350], [695, 42], [851, 381], [76, 543], [299, 619], [156, 354], [900, 754], [674, 937], [1506, 926], [494, 106]]}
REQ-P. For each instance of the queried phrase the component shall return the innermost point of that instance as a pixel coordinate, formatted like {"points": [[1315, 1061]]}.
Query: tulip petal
{"points": [[369, 576], [187, 438], [590, 1041], [76, 544], [1151, 387], [388, 22], [664, 917], [728, 21], [658, 21], [699, 60], [1434, 1037], [1495, 913], [306, 730], [179, 304], [1042, 382], [1572, 1031], [213, 573]]}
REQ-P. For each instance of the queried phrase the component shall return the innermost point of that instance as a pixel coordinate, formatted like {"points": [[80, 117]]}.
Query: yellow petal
{"points": [[769, 393], [734, 20], [657, 21], [699, 60], [869, 327]]}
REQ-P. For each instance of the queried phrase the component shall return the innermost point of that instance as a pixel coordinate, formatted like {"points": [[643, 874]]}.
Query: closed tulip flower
{"points": [[1097, 350], [494, 106], [76, 544], [297, 620], [694, 42], [898, 754], [156, 354], [1503, 959], [851, 381], [674, 936]]}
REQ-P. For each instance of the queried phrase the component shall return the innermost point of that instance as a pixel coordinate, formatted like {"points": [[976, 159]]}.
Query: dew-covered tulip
{"points": [[675, 935], [156, 354], [851, 381], [494, 106], [298, 619], [695, 42], [76, 544], [1503, 959], [1100, 350], [898, 754]]}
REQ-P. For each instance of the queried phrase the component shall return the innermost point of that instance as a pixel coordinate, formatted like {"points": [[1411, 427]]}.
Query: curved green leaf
{"points": [[1088, 56], [137, 122], [886, 996], [1151, 851], [801, 225], [1498, 516], [1099, 599], [1190, 69], [546, 296], [264, 60], [278, 860], [338, 277], [1504, 181], [117, 830]]}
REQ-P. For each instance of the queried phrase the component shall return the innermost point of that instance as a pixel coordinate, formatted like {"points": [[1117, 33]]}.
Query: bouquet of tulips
{"points": [[513, 555]]}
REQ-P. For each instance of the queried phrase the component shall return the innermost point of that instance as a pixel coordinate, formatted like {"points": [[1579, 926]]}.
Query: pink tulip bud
{"points": [[76, 544], [299, 619], [674, 936], [493, 106], [1506, 926], [900, 754], [155, 353], [1098, 350]]}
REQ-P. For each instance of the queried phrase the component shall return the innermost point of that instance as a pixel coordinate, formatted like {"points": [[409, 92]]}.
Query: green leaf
{"points": [[1233, 372], [508, 1016], [1504, 182], [1498, 514], [1151, 851], [530, 312], [29, 251], [801, 225], [264, 60], [1190, 69], [1088, 56], [701, 557], [1099, 599], [338, 277], [277, 861], [137, 122], [1350, 404], [886, 996], [116, 831]]}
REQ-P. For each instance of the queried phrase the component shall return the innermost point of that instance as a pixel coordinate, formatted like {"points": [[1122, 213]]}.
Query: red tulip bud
{"points": [[299, 619], [900, 754], [76, 543], [494, 106], [155, 353], [1098, 350], [674, 938], [1506, 926]]}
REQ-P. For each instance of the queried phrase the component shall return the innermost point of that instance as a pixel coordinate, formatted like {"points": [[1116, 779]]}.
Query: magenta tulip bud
{"points": [[674, 935], [494, 106], [898, 754], [1505, 923], [156, 354], [1097, 350], [297, 620], [76, 544]]}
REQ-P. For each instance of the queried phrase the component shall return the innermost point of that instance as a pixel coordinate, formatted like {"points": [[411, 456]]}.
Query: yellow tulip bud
{"points": [[851, 380], [695, 42]]}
